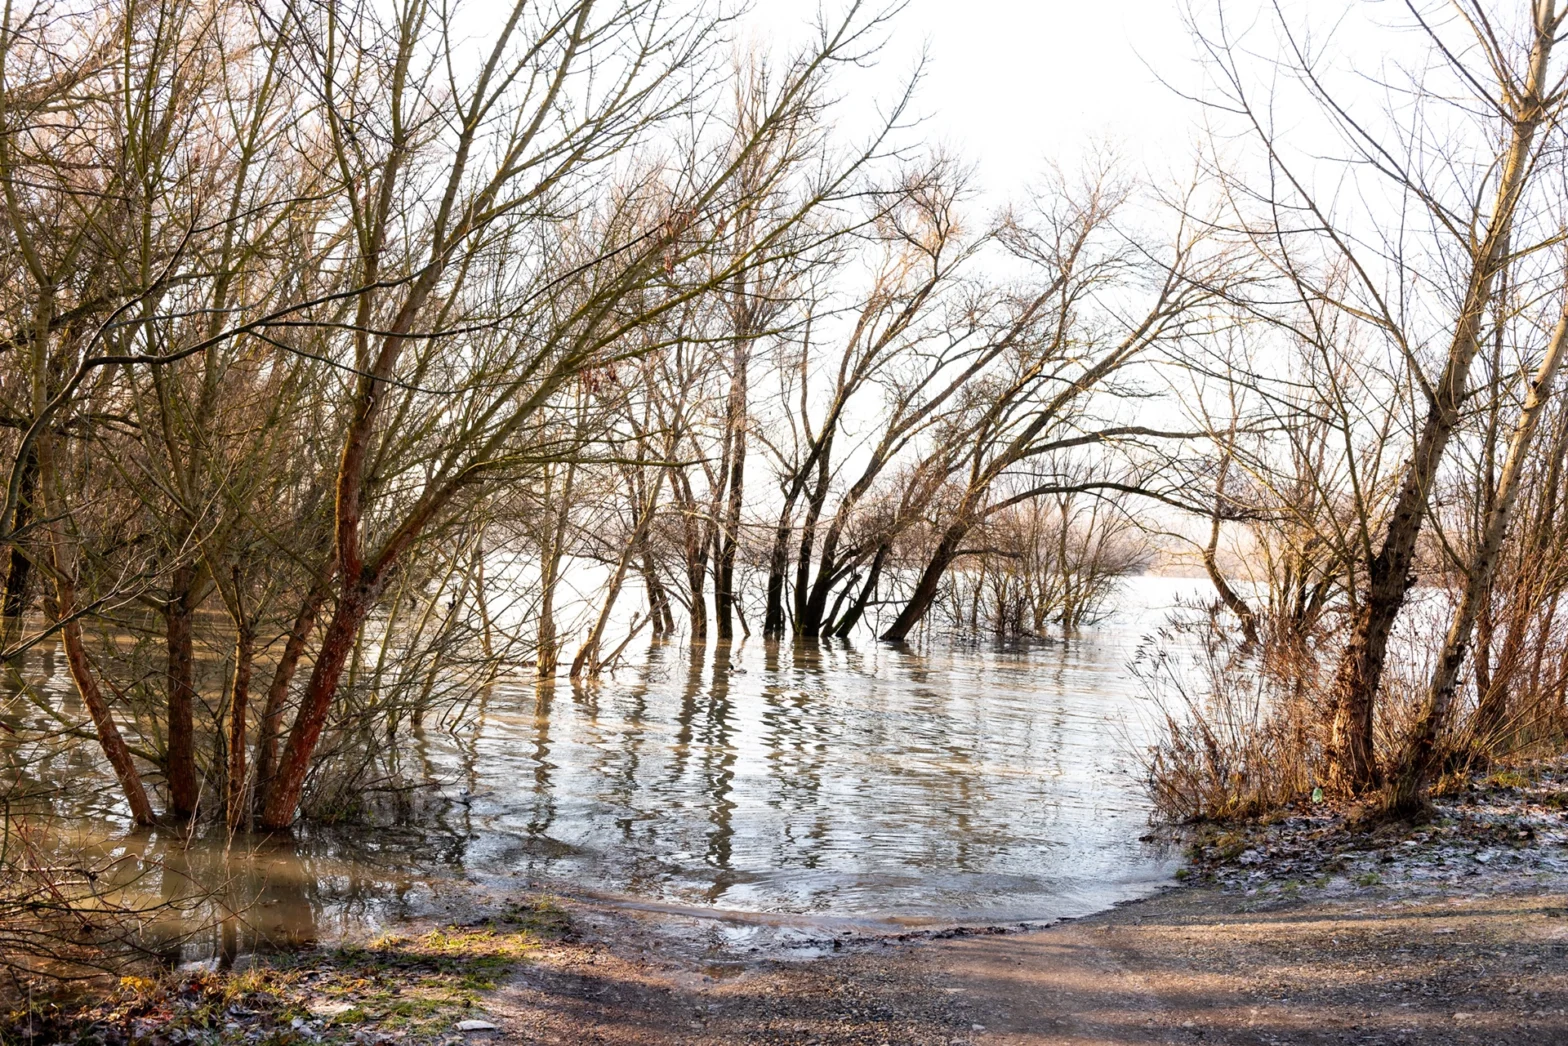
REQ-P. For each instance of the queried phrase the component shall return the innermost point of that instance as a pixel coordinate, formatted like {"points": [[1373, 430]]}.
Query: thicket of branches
{"points": [[343, 344], [1387, 429], [351, 356]]}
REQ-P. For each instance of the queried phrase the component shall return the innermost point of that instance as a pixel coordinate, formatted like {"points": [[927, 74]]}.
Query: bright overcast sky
{"points": [[1012, 84]]}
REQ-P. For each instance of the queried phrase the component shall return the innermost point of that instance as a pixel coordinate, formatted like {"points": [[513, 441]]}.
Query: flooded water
{"points": [[798, 784]]}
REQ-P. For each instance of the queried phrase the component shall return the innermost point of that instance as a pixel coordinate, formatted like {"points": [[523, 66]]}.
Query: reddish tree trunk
{"points": [[114, 747], [271, 724], [282, 802]]}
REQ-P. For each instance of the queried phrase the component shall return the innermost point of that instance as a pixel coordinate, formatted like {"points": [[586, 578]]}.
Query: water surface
{"points": [[833, 782]]}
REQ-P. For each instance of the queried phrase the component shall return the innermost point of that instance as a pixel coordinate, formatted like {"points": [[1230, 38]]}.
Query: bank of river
{"points": [[1305, 931]]}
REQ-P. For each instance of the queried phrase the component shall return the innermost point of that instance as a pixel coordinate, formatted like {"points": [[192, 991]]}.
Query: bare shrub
{"points": [[1234, 737]]}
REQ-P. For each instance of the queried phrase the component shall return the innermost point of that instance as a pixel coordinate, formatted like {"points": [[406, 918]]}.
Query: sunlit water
{"points": [[837, 783]]}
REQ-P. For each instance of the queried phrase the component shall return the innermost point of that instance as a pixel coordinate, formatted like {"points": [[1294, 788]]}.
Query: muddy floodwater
{"points": [[774, 785]]}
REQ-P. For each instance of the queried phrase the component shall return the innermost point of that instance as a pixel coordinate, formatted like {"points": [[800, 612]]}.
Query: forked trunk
{"points": [[867, 593], [1352, 766], [1417, 761], [271, 724]]}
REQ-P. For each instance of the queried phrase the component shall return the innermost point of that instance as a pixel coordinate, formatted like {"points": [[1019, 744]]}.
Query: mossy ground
{"points": [[394, 988]]}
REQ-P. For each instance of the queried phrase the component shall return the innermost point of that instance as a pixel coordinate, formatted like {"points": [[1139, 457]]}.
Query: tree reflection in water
{"points": [[960, 783]]}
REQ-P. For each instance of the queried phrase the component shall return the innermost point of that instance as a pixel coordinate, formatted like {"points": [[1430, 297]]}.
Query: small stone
{"points": [[475, 1025]]}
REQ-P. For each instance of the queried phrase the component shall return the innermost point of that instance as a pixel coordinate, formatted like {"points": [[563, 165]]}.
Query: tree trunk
{"points": [[587, 660], [778, 564], [658, 599], [1352, 764], [271, 723], [239, 700], [696, 573], [930, 583], [21, 566], [180, 760], [1417, 760], [547, 648], [729, 533], [867, 592], [282, 802], [1228, 596], [114, 747]]}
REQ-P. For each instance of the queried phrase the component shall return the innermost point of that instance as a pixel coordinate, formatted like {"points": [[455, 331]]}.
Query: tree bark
{"points": [[271, 723], [930, 583], [180, 759], [867, 593], [239, 701], [337, 643], [1228, 596], [1352, 765], [808, 535], [729, 533], [21, 566], [778, 565], [114, 747], [1417, 761], [547, 648]]}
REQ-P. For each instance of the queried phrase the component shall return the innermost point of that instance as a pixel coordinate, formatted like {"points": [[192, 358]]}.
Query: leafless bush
{"points": [[1234, 738]]}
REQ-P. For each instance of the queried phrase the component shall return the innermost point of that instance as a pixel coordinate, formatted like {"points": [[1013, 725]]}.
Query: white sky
{"points": [[1013, 84]]}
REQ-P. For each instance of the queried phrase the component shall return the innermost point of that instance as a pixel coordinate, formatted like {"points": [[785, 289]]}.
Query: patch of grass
{"points": [[1506, 779], [416, 987], [1369, 879]]}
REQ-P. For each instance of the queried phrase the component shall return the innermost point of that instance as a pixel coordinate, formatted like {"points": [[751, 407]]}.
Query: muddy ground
{"points": [[1307, 930], [1194, 965]]}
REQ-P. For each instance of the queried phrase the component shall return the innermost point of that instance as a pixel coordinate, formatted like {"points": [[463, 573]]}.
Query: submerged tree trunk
{"points": [[547, 648], [867, 593], [180, 760], [270, 726], [929, 584], [21, 567], [337, 643], [808, 537], [239, 701], [729, 532], [659, 613], [587, 662], [778, 564]]}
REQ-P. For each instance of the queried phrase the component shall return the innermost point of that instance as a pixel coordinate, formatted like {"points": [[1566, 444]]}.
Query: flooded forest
{"points": [[590, 450]]}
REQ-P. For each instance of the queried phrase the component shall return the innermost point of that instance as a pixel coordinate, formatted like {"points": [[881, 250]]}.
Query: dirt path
{"points": [[1203, 966], [1310, 931], [1194, 965]]}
